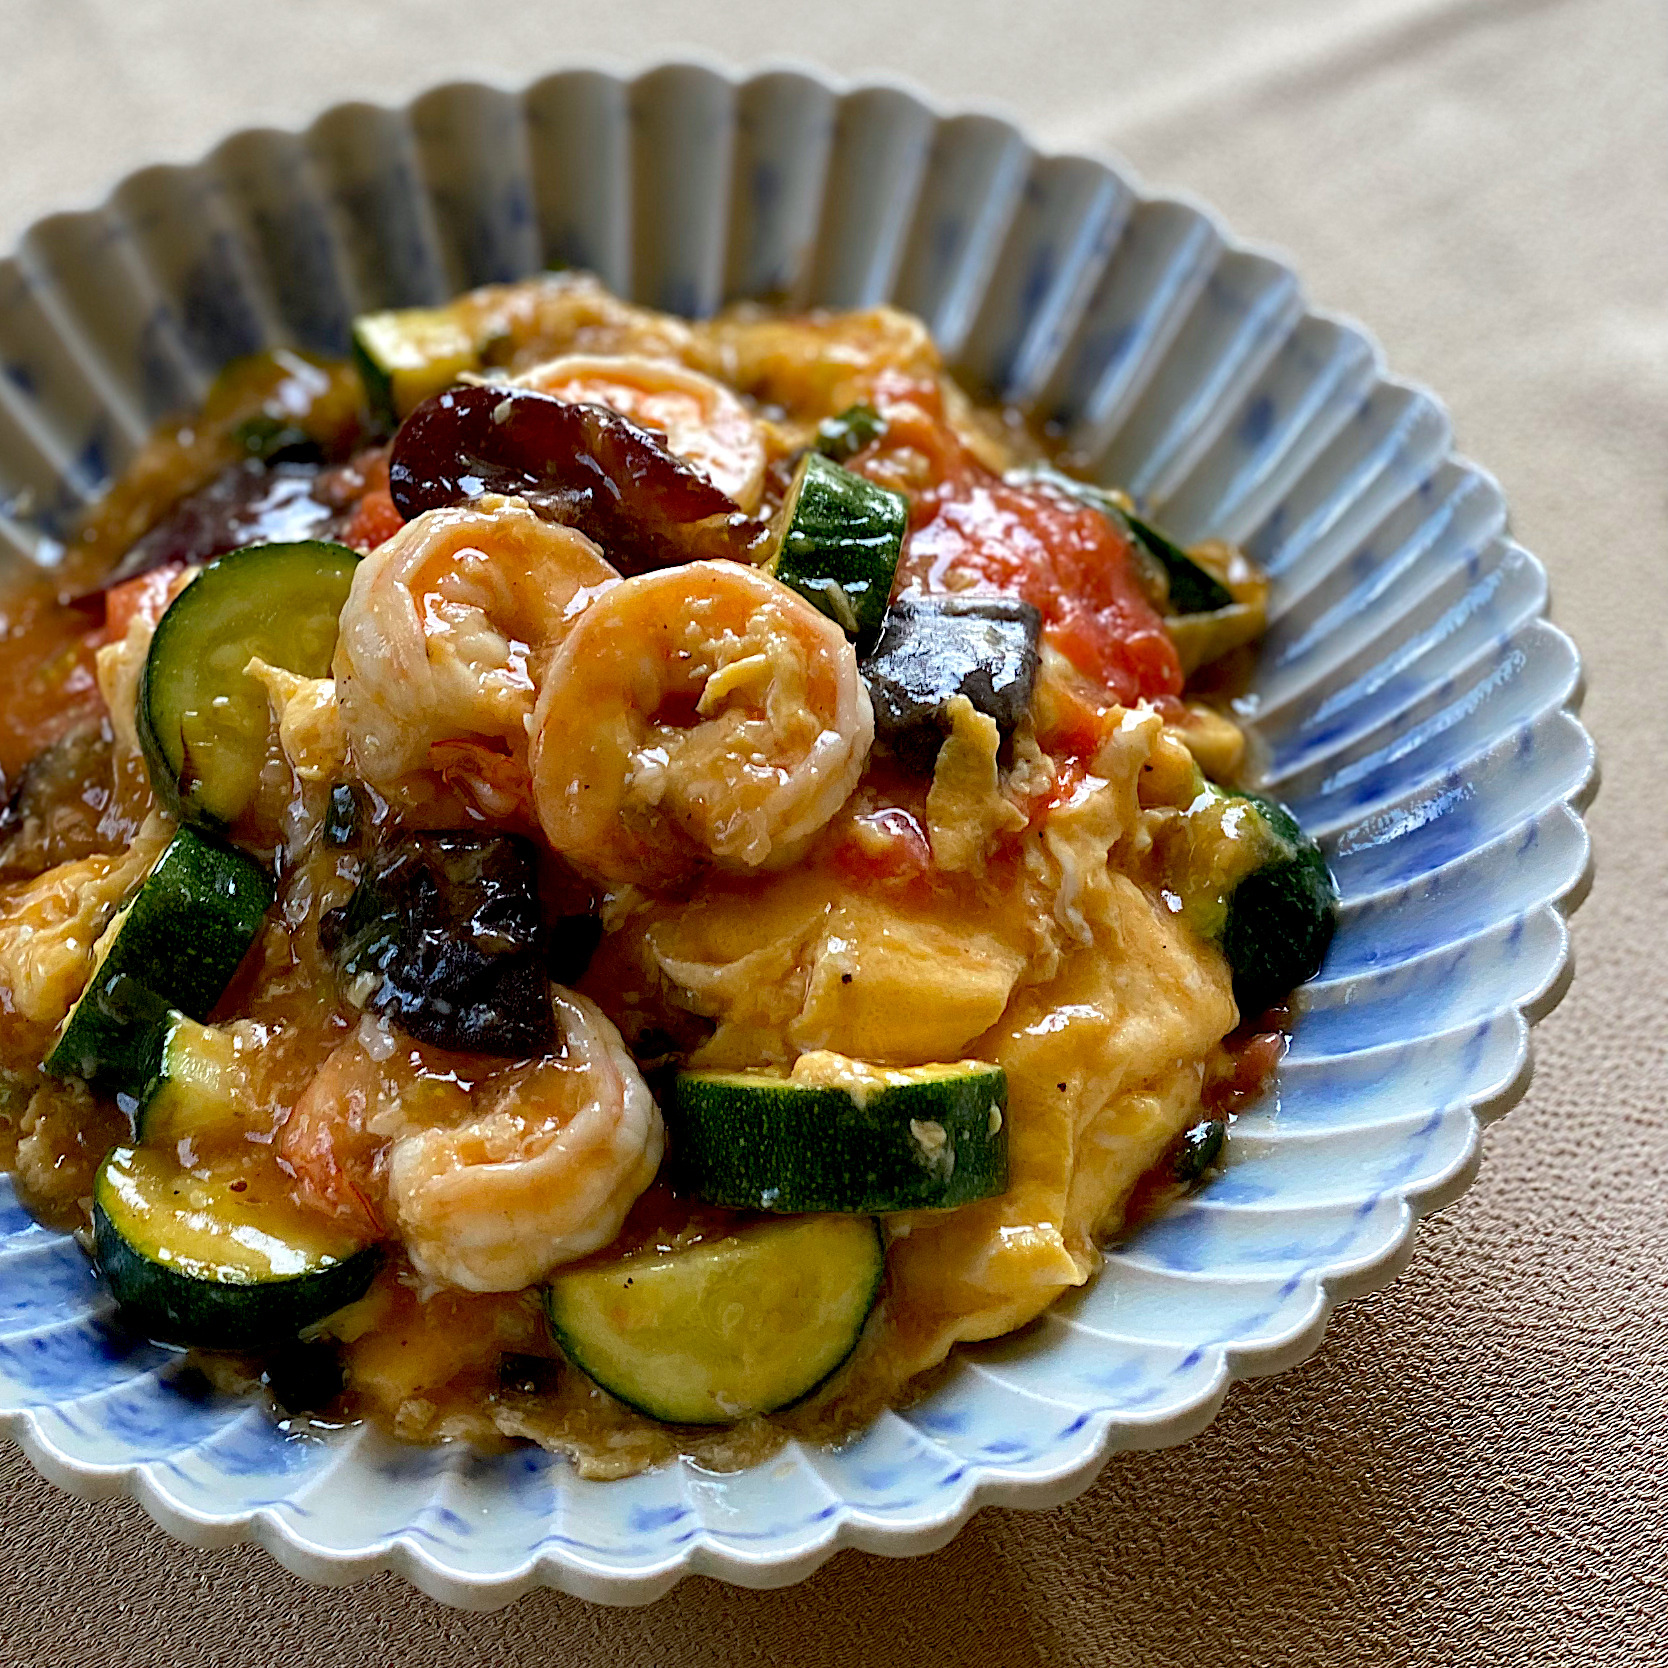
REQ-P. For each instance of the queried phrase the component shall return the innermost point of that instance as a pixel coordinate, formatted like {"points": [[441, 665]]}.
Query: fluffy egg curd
{"points": [[620, 882]]}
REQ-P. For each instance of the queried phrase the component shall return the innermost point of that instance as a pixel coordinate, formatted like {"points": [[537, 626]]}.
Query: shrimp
{"points": [[441, 640], [703, 421], [697, 713], [491, 1173]]}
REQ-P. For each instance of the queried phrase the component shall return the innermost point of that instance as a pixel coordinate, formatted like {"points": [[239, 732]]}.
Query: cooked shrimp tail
{"points": [[490, 1173], [702, 714], [440, 644]]}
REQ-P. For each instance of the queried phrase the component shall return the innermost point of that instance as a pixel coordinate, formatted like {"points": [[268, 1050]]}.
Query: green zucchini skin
{"points": [[934, 1138], [403, 356], [178, 944], [1199, 1148], [192, 1092], [202, 721], [1281, 916], [839, 543], [724, 1329], [1192, 590], [843, 437], [215, 1301]]}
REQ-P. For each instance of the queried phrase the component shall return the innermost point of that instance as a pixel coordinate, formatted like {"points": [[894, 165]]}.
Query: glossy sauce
{"points": [[47, 652], [437, 1364]]}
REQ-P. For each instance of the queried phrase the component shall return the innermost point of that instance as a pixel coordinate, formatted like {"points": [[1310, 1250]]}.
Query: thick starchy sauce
{"points": [[50, 685], [1046, 947]]}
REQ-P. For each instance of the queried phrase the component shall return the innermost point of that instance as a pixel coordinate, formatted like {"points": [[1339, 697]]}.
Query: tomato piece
{"points": [[146, 597], [1068, 561], [1252, 1055], [885, 845], [373, 517], [374, 520]]}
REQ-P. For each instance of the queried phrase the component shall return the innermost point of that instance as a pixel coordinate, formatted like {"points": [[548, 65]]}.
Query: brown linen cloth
{"points": [[1474, 1468]]}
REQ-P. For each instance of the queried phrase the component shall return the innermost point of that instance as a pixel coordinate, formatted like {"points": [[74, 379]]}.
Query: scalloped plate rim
{"points": [[851, 1527]]}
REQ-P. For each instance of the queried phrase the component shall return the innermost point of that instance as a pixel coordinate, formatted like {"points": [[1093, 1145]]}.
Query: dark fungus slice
{"points": [[581, 465], [250, 503], [570, 943], [52, 815], [444, 935], [344, 818], [933, 648], [304, 1377]]}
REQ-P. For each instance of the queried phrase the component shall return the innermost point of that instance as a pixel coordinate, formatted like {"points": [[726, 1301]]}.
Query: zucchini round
{"points": [[843, 1136], [843, 437], [193, 1093], [177, 944], [726, 1328], [219, 1258], [203, 721], [406, 355], [838, 541], [1281, 916]]}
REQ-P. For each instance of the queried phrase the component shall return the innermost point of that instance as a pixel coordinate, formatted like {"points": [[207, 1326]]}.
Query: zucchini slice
{"points": [[842, 1136], [1281, 916], [843, 437], [178, 1080], [1249, 879], [725, 1328], [406, 355], [1193, 590], [1199, 1147], [177, 944], [1202, 638], [218, 1256], [193, 1089], [204, 722], [838, 541]]}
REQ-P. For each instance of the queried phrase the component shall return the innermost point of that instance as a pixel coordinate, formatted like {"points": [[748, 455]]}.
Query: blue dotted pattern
{"points": [[1412, 704]]}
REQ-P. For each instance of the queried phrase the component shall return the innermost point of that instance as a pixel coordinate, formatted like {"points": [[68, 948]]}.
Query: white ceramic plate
{"points": [[1415, 706]]}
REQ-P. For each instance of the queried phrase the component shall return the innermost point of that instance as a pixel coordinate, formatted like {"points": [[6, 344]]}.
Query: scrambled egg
{"points": [[1057, 965]]}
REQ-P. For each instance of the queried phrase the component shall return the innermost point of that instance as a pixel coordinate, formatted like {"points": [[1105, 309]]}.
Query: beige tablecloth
{"points": [[1474, 1469]]}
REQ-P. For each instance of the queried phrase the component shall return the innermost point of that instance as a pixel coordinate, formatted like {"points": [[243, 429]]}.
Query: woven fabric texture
{"points": [[1474, 1468]]}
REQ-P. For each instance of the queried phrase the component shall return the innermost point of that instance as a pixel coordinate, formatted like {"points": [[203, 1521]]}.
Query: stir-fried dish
{"points": [[620, 882]]}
